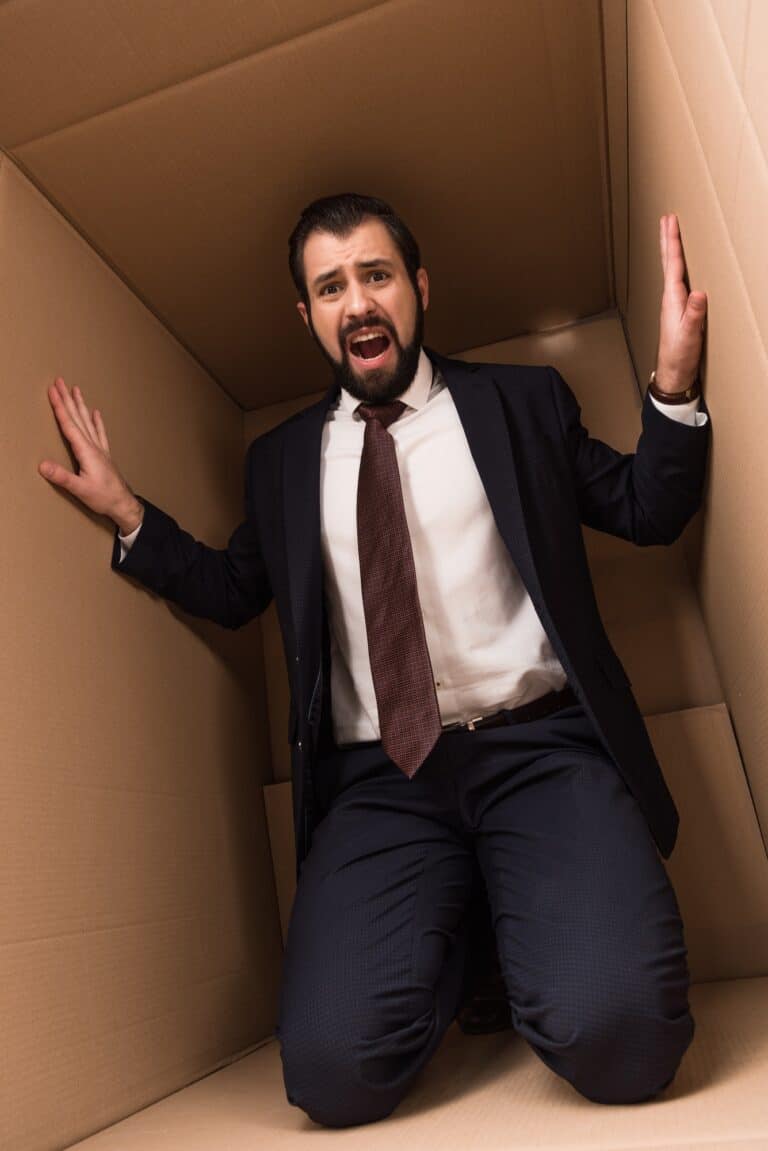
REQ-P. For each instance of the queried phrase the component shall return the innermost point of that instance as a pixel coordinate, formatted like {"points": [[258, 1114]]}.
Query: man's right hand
{"points": [[99, 484]]}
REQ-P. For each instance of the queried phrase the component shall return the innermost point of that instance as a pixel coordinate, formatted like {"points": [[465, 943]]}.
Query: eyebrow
{"points": [[325, 276]]}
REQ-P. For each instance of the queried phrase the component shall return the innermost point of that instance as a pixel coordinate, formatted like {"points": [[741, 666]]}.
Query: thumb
{"points": [[695, 311], [56, 473]]}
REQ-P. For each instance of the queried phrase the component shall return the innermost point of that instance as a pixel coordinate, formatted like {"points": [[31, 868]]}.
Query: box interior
{"points": [[154, 159]]}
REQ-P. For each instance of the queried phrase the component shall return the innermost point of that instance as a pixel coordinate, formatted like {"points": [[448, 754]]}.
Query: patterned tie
{"points": [[409, 717]]}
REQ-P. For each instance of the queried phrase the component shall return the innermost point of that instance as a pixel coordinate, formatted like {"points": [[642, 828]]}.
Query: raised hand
{"points": [[681, 330], [98, 484]]}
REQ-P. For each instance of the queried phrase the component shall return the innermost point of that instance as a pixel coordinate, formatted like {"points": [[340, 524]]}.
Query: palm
{"points": [[681, 329], [98, 484]]}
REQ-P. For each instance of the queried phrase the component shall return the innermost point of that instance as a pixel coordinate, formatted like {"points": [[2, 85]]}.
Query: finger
{"points": [[695, 311], [663, 243], [101, 431], [66, 404], [67, 421], [675, 264], [85, 415], [73, 408]]}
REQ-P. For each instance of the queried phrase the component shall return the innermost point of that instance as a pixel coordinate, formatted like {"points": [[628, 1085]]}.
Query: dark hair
{"points": [[339, 215]]}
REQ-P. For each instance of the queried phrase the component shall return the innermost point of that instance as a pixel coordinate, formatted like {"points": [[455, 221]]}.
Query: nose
{"points": [[358, 300]]}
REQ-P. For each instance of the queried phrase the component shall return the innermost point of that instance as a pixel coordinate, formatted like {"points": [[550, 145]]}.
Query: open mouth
{"points": [[369, 345]]}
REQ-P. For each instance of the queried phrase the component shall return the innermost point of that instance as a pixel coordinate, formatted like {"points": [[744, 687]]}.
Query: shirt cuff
{"points": [[687, 413], [127, 541]]}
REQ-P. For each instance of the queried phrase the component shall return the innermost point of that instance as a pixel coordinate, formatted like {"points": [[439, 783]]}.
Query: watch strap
{"points": [[684, 397]]}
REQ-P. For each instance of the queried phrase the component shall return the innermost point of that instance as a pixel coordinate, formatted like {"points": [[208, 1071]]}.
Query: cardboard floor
{"points": [[489, 1092]]}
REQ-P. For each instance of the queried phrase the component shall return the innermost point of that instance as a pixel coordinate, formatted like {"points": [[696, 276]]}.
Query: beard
{"points": [[381, 385]]}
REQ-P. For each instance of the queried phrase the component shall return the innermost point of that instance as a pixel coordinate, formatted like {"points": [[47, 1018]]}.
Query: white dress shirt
{"points": [[487, 646]]}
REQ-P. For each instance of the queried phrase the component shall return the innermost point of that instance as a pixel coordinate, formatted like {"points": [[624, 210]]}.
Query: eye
{"points": [[383, 275], [327, 289]]}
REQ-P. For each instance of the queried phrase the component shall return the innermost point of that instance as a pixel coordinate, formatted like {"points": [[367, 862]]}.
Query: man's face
{"points": [[363, 310]]}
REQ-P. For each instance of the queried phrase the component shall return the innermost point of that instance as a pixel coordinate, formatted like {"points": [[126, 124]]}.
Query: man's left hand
{"points": [[681, 332]]}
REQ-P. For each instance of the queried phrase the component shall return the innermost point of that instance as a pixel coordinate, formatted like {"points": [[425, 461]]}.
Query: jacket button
{"points": [[299, 745], [297, 659]]}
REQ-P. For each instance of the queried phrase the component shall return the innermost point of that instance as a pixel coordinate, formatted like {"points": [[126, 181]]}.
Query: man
{"points": [[456, 707]]}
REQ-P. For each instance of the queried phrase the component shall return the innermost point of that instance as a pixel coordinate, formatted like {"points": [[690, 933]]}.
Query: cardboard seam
{"points": [[746, 121], [744, 40], [606, 162], [723, 708], [737, 84], [197, 77], [126, 925], [198, 1076], [737, 76], [626, 165], [755, 811], [689, 114], [594, 317], [628, 286], [101, 255]]}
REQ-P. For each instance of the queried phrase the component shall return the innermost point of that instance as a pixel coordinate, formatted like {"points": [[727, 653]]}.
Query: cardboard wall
{"points": [[698, 141], [186, 144], [613, 25], [139, 936]]}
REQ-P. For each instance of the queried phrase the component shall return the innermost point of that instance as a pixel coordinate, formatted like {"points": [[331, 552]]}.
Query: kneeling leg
{"points": [[589, 931], [373, 963]]}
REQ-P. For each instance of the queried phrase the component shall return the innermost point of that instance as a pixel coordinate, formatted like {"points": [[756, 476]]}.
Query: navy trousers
{"points": [[587, 925]]}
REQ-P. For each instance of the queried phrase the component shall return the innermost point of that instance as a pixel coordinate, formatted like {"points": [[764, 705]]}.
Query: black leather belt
{"points": [[534, 709]]}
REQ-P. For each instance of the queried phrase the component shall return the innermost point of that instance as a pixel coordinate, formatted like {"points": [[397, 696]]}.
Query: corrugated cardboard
{"points": [[532, 147], [60, 65], [139, 935], [696, 126], [191, 190]]}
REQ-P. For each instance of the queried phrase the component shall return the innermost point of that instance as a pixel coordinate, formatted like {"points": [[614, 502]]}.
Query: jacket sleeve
{"points": [[227, 585], [646, 496]]}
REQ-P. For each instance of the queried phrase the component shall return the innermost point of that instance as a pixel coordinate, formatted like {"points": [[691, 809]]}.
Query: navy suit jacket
{"points": [[545, 476]]}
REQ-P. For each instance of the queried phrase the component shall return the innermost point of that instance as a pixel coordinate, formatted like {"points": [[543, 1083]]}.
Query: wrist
{"points": [[669, 388], [129, 515]]}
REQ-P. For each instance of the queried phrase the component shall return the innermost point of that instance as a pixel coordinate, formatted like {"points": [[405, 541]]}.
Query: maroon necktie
{"points": [[409, 717]]}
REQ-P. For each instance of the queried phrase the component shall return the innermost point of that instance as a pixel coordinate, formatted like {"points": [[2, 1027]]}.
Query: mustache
{"points": [[367, 322]]}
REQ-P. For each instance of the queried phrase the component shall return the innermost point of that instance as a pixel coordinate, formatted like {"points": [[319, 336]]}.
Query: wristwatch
{"points": [[690, 393]]}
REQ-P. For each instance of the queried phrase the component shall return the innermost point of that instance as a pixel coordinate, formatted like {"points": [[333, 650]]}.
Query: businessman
{"points": [[460, 724]]}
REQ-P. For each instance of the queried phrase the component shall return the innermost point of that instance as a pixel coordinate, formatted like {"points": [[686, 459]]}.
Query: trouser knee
{"points": [[325, 1078], [625, 1060], [332, 1097]]}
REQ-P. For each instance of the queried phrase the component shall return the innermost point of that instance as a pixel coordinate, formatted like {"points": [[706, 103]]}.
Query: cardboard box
{"points": [[155, 157]]}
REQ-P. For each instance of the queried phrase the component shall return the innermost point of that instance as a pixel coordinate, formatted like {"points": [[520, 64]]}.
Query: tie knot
{"points": [[386, 414]]}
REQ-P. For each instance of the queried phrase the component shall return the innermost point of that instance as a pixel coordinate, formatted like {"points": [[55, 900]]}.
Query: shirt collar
{"points": [[415, 395]]}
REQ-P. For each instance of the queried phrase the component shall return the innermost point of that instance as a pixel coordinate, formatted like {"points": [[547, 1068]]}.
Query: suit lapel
{"points": [[484, 420], [301, 501]]}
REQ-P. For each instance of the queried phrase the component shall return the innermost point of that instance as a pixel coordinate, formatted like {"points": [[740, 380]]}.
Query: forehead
{"points": [[368, 241]]}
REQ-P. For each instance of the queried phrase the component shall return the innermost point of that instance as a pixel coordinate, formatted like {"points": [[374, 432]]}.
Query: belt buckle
{"points": [[470, 723]]}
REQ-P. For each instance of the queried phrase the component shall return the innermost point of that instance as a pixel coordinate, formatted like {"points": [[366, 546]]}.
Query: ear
{"points": [[301, 308], [422, 279]]}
